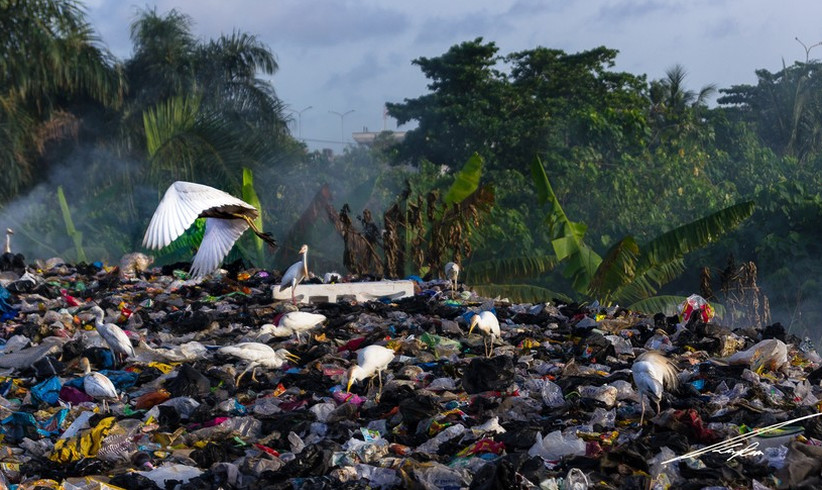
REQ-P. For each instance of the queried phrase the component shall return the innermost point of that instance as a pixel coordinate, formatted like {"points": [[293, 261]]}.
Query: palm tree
{"points": [[675, 110], [52, 63], [199, 109]]}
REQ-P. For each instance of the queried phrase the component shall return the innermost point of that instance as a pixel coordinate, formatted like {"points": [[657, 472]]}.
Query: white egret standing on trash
{"points": [[452, 272], [653, 373], [117, 340], [370, 360], [227, 218], [294, 322], [97, 385], [487, 323], [296, 273], [258, 354]]}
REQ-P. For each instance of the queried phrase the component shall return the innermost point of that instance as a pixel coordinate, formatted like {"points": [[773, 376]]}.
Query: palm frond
{"points": [[658, 304], [647, 282], [507, 269], [694, 235], [617, 269]]}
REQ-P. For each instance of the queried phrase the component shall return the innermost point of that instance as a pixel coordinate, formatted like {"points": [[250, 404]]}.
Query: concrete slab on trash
{"points": [[360, 291]]}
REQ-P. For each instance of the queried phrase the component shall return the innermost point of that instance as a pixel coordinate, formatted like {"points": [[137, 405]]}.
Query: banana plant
{"points": [[629, 272], [76, 235]]}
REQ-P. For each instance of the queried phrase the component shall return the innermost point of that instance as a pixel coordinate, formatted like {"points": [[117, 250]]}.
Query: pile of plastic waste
{"points": [[553, 406]]}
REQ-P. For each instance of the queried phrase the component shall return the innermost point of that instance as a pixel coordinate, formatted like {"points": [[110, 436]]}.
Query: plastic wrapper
{"points": [[552, 395], [695, 305], [605, 394], [556, 446]]}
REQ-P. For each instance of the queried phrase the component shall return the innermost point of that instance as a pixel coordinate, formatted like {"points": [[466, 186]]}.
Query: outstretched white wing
{"points": [[182, 203], [219, 237]]}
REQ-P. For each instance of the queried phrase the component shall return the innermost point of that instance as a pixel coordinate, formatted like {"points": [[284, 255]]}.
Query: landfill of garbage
{"points": [[557, 402]]}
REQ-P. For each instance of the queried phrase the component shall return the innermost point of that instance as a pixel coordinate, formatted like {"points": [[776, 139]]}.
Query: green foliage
{"points": [[466, 181], [250, 196], [566, 235], [75, 235]]}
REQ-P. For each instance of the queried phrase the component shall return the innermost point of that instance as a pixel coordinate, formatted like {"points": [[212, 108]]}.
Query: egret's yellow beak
{"points": [[291, 357], [350, 382], [474, 320]]}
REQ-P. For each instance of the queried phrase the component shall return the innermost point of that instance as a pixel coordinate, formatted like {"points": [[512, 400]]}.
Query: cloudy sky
{"points": [[355, 55]]}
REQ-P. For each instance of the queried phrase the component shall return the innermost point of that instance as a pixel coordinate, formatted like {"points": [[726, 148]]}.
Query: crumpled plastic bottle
{"points": [[552, 394]]}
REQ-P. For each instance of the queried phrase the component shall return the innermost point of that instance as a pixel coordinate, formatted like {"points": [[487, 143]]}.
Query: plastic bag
{"points": [[556, 446], [695, 304]]}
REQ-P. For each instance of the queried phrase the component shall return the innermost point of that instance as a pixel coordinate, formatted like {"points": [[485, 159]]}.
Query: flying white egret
{"points": [[257, 354], [653, 373], [452, 272], [294, 322], [114, 336], [227, 218], [370, 360], [97, 385], [296, 273], [487, 323]]}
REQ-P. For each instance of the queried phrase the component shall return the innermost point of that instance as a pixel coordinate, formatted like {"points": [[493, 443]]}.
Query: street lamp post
{"points": [[300, 120], [342, 117]]}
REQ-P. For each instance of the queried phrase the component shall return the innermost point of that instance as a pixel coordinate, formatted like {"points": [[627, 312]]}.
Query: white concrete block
{"points": [[360, 291]]}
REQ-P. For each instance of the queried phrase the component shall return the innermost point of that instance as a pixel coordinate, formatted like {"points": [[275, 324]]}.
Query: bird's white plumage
{"points": [[296, 273], [258, 353], [296, 322], [487, 323], [452, 271], [98, 386], [114, 336], [370, 360], [653, 373], [220, 235], [181, 205]]}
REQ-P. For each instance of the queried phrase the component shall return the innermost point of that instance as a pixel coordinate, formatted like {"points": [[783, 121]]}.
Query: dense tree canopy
{"points": [[632, 163]]}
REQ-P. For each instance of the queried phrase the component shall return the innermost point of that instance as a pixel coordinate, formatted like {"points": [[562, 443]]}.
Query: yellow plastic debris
{"points": [[84, 445], [164, 368]]}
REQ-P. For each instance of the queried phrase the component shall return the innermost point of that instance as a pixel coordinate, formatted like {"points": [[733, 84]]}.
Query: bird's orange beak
{"points": [[474, 321]]}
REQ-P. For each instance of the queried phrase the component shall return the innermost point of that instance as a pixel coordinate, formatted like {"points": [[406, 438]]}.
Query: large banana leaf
{"points": [[505, 270], [75, 235], [250, 196], [566, 235], [618, 268], [694, 235], [646, 283], [466, 182], [520, 293]]}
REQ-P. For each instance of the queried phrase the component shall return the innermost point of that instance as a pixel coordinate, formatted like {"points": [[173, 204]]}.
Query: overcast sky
{"points": [[337, 55]]}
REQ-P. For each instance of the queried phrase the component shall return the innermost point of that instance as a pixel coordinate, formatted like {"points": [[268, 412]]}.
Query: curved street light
{"points": [[300, 120]]}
